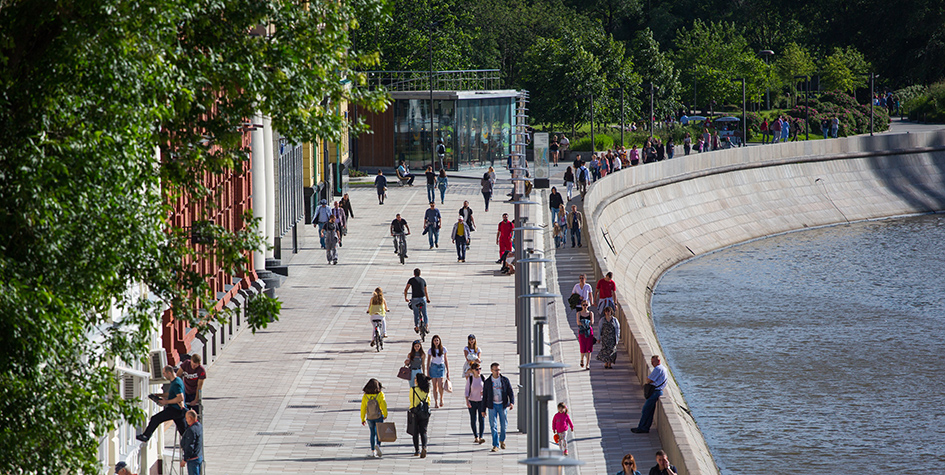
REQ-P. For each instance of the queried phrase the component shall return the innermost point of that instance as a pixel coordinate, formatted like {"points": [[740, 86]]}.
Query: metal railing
{"points": [[457, 80]]}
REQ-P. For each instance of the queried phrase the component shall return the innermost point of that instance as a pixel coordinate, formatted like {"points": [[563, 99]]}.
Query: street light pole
{"points": [[766, 53], [806, 79], [623, 122], [432, 133], [592, 124], [651, 109], [871, 103]]}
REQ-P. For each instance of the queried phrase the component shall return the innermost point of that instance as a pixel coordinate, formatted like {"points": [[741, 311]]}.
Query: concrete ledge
{"points": [[643, 220]]}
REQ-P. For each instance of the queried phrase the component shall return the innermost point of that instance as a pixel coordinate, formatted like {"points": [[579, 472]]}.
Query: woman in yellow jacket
{"points": [[420, 407], [373, 410]]}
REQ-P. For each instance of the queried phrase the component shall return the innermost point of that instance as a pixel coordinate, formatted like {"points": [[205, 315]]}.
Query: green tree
{"points": [[88, 90], [712, 56], [795, 60], [655, 66], [845, 70]]}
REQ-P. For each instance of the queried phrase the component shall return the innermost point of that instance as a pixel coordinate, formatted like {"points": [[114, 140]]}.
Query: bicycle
{"points": [[422, 329], [400, 244], [378, 341]]}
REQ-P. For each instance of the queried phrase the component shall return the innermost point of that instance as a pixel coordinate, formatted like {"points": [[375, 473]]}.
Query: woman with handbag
{"points": [[373, 411], [438, 367], [585, 321], [474, 385], [419, 413], [609, 336], [415, 361]]}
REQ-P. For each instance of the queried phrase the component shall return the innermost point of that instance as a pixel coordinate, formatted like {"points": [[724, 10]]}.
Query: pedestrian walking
{"points": [[658, 379], [380, 183], [670, 149], [420, 408], [191, 444], [431, 184], [471, 353], [629, 465], [475, 383], [332, 236], [585, 322], [487, 187], [498, 399], [569, 181], [377, 309], [373, 411], [564, 146], [438, 368], [431, 225], [460, 237], [775, 128], [320, 219], [583, 177], [687, 144], [415, 361], [442, 183], [609, 336], [605, 292], [558, 234], [467, 214], [503, 237], [341, 222], [825, 127], [346, 205], [662, 466], [560, 425], [834, 126], [555, 201], [575, 222], [764, 131], [553, 150]]}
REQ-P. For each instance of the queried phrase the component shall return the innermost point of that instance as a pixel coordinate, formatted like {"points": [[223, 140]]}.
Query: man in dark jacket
{"points": [[191, 444], [554, 202], [498, 399], [662, 466]]}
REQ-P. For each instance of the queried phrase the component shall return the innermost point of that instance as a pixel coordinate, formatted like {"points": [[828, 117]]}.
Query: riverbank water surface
{"points": [[815, 352]]}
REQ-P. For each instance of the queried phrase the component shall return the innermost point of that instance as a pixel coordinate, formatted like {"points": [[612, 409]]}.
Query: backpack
{"points": [[373, 409], [422, 408]]}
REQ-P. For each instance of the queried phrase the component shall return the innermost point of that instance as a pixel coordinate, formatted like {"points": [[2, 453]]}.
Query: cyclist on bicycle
{"points": [[397, 230], [378, 309], [419, 293]]}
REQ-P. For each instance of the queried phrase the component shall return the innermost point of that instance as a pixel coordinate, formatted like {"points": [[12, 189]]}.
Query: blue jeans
{"points": [[433, 234], [372, 424], [575, 232], [461, 248], [498, 421], [419, 305], [442, 194], [431, 194], [826, 133], [649, 407], [554, 215], [193, 466], [475, 415], [321, 237]]}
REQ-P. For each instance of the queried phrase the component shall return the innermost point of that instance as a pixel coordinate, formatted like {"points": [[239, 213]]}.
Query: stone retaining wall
{"points": [[643, 220]]}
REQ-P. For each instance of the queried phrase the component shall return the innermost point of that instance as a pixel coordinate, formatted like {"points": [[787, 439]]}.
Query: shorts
{"points": [[437, 370]]}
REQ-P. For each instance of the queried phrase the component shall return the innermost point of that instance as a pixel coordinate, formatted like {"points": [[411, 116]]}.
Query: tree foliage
{"points": [[656, 67], [88, 91]]}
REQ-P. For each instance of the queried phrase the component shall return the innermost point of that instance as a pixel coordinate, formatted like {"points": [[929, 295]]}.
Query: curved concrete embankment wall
{"points": [[643, 220]]}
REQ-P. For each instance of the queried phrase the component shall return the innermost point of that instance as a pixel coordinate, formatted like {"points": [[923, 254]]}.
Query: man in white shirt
{"points": [[658, 378], [583, 289]]}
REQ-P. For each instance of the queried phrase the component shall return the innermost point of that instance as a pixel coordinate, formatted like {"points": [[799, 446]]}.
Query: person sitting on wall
{"points": [[173, 402], [403, 172]]}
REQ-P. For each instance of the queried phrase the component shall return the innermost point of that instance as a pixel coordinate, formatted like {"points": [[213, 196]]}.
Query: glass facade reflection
{"points": [[475, 131]]}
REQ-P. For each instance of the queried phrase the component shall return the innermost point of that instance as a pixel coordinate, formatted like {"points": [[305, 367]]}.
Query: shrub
{"points": [[929, 107], [601, 142]]}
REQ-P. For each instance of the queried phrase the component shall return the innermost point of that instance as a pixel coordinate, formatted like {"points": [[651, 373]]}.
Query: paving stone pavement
{"points": [[287, 399]]}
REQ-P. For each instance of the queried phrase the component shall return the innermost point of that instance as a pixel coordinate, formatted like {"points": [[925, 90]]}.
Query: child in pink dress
{"points": [[560, 425]]}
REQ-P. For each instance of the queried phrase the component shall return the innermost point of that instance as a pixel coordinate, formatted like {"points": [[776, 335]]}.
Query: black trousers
{"points": [[170, 413], [475, 414], [420, 434]]}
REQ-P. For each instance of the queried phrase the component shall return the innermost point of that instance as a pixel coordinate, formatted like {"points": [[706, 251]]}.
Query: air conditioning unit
{"points": [[129, 386], [157, 360]]}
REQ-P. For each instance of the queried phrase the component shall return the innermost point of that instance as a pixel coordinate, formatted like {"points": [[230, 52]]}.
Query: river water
{"points": [[815, 352]]}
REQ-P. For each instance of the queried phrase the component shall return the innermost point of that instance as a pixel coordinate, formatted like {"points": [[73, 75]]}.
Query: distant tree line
{"points": [[570, 52]]}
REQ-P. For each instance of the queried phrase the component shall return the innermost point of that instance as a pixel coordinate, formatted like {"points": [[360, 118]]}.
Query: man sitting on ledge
{"points": [[173, 402]]}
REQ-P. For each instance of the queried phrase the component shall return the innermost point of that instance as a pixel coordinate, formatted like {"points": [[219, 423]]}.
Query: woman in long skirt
{"points": [[609, 335]]}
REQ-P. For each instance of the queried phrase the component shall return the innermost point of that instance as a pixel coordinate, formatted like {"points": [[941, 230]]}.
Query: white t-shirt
{"points": [[436, 359], [584, 292]]}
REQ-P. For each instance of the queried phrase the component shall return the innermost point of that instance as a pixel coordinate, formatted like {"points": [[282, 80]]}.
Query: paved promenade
{"points": [[287, 399]]}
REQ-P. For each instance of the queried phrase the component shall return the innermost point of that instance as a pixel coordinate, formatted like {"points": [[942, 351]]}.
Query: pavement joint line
{"points": [[277, 418]]}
